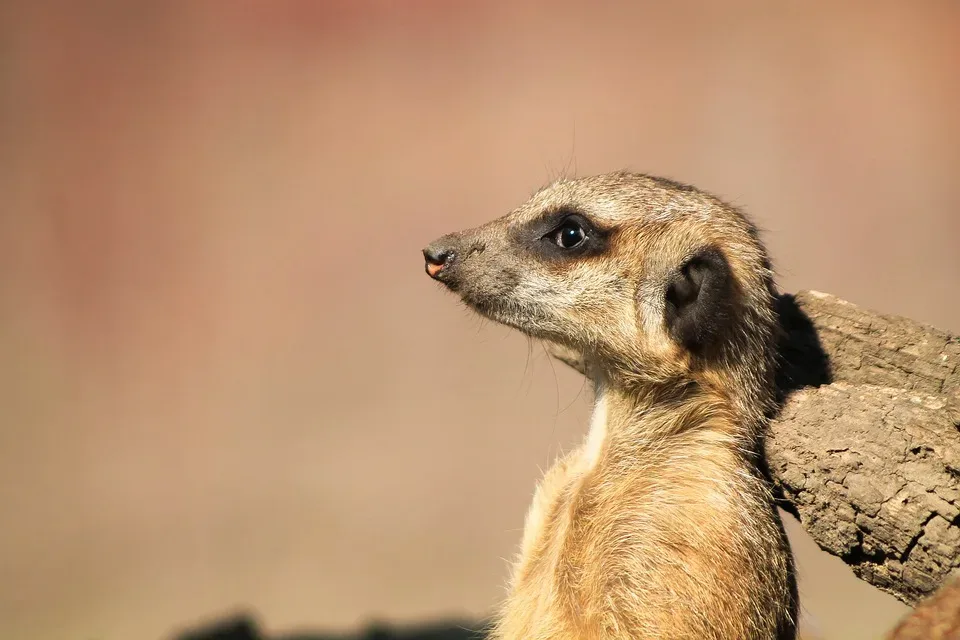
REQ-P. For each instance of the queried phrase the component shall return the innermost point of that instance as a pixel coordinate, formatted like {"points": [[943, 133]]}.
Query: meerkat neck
{"points": [[645, 417]]}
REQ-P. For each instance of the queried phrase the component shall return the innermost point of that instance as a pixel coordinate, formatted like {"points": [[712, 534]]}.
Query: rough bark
{"points": [[865, 448]]}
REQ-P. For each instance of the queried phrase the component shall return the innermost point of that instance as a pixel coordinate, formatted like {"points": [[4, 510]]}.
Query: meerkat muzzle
{"points": [[438, 257]]}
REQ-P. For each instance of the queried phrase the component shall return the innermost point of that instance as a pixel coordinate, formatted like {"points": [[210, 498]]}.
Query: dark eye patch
{"points": [[563, 234]]}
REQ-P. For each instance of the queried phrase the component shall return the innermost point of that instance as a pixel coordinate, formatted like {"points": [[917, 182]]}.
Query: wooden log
{"points": [[865, 446]]}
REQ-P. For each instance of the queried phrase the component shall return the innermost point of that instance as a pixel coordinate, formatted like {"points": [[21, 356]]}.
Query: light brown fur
{"points": [[661, 525], [935, 618]]}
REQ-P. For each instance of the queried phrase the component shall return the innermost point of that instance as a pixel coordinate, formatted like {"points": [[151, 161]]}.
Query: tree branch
{"points": [[865, 448]]}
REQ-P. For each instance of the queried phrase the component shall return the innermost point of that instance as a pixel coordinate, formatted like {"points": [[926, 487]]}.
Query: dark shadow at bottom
{"points": [[244, 627]]}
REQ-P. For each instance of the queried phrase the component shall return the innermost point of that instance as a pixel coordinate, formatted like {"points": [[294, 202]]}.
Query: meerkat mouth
{"points": [[528, 322]]}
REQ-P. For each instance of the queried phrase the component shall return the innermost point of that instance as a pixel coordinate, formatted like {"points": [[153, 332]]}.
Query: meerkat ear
{"points": [[699, 300]]}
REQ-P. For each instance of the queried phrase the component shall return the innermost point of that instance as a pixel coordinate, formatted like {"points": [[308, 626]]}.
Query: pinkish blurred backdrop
{"points": [[221, 352]]}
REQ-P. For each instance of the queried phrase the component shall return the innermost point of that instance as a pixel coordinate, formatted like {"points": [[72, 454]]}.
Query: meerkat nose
{"points": [[437, 258]]}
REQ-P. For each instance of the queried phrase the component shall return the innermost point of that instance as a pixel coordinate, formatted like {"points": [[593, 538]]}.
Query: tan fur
{"points": [[664, 536], [660, 525], [935, 618]]}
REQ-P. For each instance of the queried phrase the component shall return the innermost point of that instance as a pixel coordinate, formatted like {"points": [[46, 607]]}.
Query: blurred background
{"points": [[227, 384]]}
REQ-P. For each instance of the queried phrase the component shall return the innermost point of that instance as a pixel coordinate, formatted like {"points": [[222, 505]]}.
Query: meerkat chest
{"points": [[549, 512], [534, 609], [550, 519]]}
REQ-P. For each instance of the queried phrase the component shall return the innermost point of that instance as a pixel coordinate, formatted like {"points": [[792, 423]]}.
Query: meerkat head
{"points": [[648, 279]]}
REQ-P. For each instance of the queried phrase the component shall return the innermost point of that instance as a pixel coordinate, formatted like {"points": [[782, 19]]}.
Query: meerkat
{"points": [[662, 524]]}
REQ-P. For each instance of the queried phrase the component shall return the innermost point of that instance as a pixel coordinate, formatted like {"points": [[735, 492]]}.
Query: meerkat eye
{"points": [[570, 235]]}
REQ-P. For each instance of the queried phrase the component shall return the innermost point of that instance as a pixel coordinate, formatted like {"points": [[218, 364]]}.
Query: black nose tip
{"points": [[437, 257]]}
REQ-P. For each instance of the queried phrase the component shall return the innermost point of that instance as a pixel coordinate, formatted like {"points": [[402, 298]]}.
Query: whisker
{"points": [[556, 384], [583, 385], [526, 364]]}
